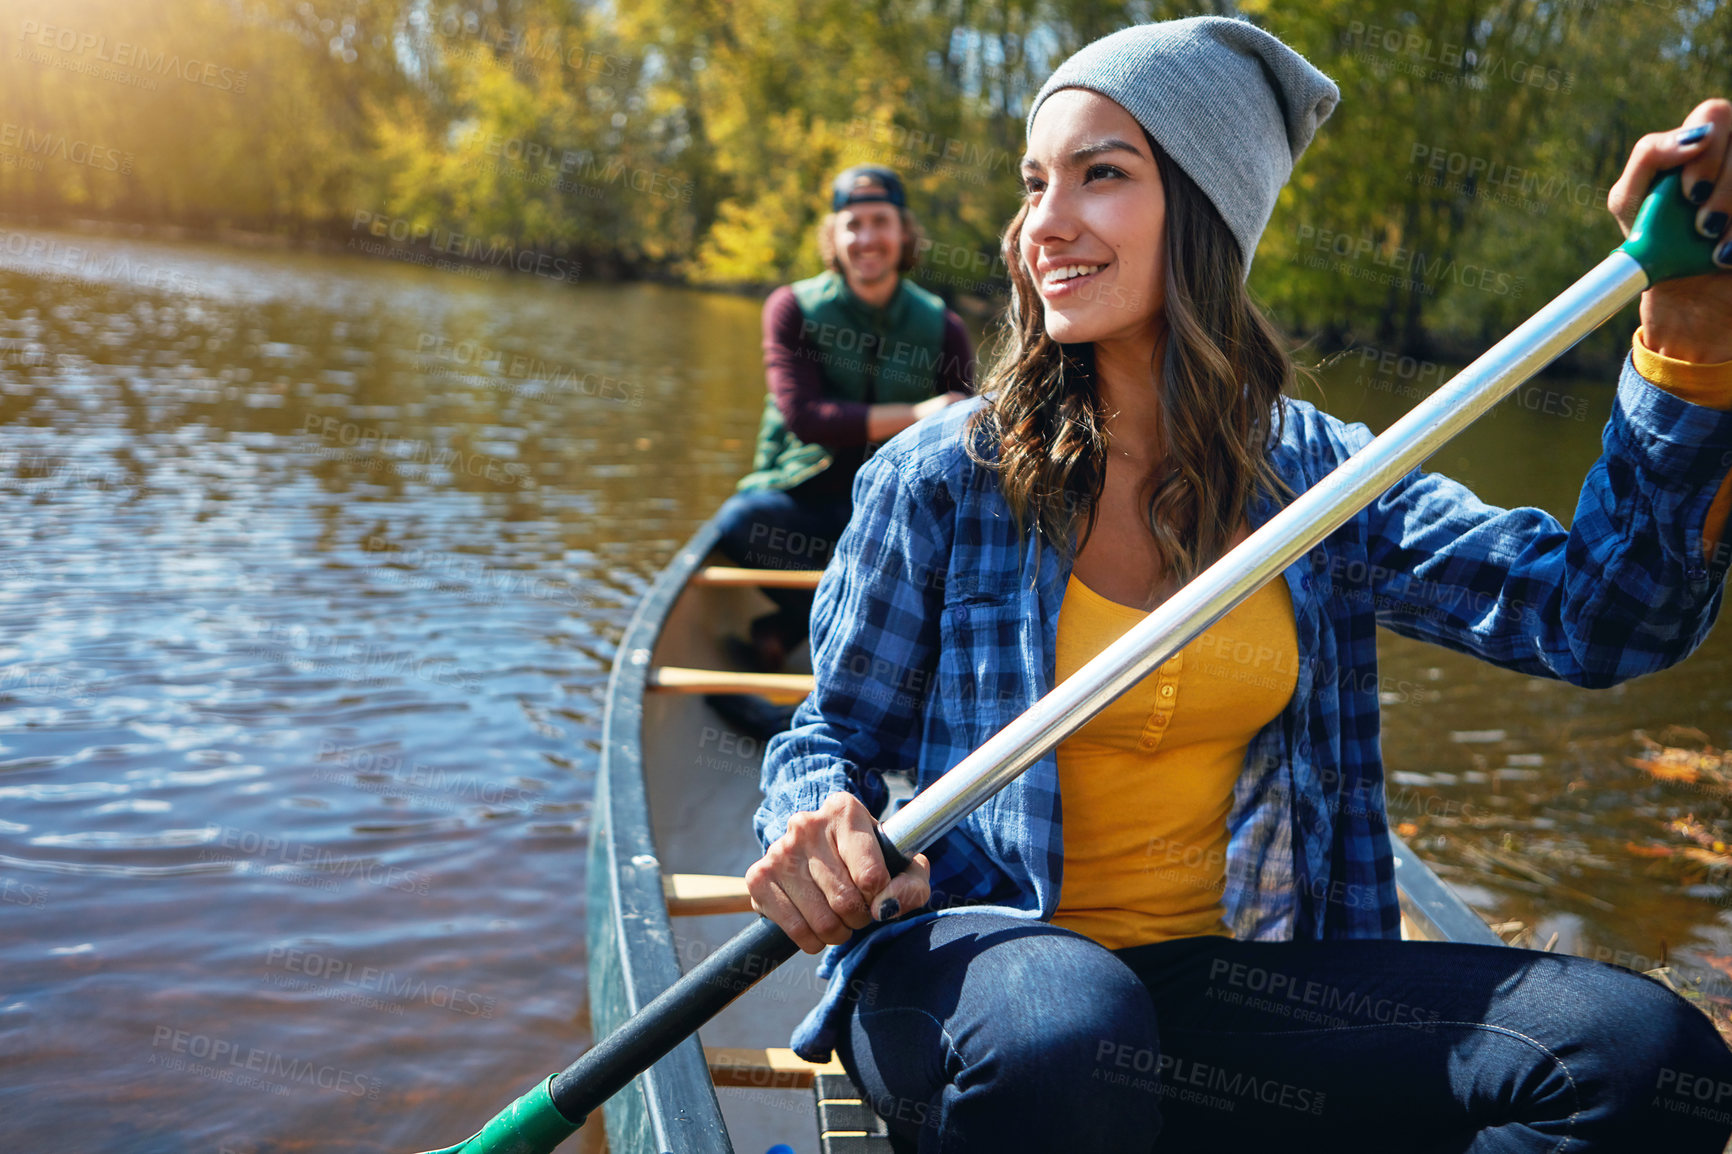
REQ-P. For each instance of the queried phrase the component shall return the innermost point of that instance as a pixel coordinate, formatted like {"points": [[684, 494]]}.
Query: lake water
{"points": [[311, 572]]}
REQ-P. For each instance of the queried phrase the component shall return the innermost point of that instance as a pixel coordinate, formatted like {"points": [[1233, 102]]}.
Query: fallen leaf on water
{"points": [[1676, 763], [1407, 829], [1690, 827], [1649, 850], [1662, 768]]}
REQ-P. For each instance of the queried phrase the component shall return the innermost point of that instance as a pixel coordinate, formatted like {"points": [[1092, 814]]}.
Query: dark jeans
{"points": [[985, 1032], [770, 529]]}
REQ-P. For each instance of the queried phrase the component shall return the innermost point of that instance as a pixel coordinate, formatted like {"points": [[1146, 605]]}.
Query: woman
{"points": [[1218, 968]]}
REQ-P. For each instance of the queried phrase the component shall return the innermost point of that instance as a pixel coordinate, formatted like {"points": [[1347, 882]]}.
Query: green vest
{"points": [[879, 356]]}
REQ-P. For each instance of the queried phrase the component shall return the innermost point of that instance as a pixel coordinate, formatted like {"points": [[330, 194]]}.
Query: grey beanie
{"points": [[1231, 104]]}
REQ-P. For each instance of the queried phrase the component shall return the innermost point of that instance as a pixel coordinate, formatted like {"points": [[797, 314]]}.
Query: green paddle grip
{"points": [[1664, 240], [530, 1125]]}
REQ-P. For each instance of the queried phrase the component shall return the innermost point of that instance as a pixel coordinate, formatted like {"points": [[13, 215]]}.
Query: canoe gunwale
{"points": [[1432, 905], [630, 927]]}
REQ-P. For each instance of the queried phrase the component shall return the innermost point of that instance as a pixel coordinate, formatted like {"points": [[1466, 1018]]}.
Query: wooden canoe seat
{"points": [[725, 576], [695, 895], [771, 1069], [781, 688]]}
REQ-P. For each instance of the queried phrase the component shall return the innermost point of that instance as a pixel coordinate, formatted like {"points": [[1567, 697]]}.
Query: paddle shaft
{"points": [[723, 976], [1663, 244], [1284, 539]]}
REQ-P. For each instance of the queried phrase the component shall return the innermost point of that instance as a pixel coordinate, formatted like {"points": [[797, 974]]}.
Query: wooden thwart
{"points": [[728, 577], [695, 895], [781, 688], [771, 1069]]}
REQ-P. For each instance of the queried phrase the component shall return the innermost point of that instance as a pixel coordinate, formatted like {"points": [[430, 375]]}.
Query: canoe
{"points": [[671, 838]]}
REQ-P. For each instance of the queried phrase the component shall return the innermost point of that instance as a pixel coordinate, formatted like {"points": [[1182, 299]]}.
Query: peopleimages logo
{"points": [[55, 146], [22, 894], [1459, 63], [461, 245], [313, 860], [544, 162], [538, 375], [527, 45], [56, 260], [333, 973], [96, 48], [346, 437], [1406, 268], [1486, 176], [226, 1061]]}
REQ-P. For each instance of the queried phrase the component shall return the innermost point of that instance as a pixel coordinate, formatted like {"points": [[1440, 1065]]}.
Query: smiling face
{"points": [[1094, 235], [868, 240]]}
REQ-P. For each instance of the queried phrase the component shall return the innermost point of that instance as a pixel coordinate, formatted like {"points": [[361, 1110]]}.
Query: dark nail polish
{"points": [[1701, 191], [888, 909], [1692, 135], [1712, 225], [1724, 255]]}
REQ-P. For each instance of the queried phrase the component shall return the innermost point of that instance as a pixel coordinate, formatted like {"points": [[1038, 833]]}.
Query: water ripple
{"points": [[106, 839], [250, 550]]}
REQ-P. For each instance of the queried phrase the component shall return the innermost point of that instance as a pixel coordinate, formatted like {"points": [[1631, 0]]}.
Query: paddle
{"points": [[1662, 245]]}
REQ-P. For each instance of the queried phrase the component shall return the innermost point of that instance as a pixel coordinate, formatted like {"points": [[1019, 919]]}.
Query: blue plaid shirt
{"points": [[936, 625]]}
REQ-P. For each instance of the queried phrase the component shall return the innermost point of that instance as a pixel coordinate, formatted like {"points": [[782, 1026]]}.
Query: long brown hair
{"points": [[1222, 368]]}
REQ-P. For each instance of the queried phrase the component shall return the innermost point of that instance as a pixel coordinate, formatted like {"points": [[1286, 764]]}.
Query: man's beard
{"points": [[886, 270]]}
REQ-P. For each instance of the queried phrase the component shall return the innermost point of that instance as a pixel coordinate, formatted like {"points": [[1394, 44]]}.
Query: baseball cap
{"points": [[865, 183]]}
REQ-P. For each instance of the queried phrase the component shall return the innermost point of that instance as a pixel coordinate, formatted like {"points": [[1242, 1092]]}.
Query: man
{"points": [[852, 357]]}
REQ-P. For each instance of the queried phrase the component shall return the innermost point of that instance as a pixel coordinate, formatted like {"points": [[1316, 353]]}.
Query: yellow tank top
{"points": [[1147, 784]]}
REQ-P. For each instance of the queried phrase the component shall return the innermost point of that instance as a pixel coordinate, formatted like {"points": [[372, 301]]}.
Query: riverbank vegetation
{"points": [[1459, 185]]}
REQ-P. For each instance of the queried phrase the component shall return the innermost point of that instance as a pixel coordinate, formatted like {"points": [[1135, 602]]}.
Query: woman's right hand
{"points": [[825, 877]]}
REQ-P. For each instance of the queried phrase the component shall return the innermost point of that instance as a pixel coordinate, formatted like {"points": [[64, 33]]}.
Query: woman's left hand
{"points": [[1690, 318]]}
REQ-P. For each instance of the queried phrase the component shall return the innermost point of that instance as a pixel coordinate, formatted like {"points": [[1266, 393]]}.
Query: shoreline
{"points": [[615, 269]]}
